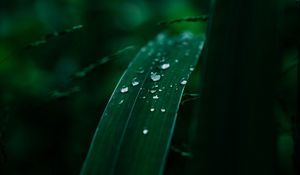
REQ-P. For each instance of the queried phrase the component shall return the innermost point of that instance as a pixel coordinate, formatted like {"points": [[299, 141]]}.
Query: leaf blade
{"points": [[135, 130]]}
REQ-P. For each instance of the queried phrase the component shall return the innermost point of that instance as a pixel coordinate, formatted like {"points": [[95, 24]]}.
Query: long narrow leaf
{"points": [[135, 130]]}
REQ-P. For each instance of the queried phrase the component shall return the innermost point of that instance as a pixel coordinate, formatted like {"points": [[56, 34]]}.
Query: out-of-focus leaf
{"points": [[133, 136]]}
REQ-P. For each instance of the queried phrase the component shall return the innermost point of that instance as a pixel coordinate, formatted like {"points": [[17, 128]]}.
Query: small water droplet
{"points": [[164, 66], [155, 76], [145, 131], [121, 101], [152, 91], [152, 109], [159, 90], [135, 82], [144, 97], [163, 110], [124, 89], [183, 82], [155, 97], [176, 61], [140, 70], [171, 85], [192, 68]]}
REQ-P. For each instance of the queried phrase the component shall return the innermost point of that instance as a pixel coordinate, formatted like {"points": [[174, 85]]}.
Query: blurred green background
{"points": [[48, 117]]}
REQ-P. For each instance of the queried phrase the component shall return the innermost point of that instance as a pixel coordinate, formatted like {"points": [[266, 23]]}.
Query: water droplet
{"points": [[176, 61], [192, 68], [171, 85], [135, 82], [155, 76], [124, 89], [152, 109], [163, 110], [140, 70], [145, 131], [121, 101], [144, 97], [159, 90], [183, 82], [152, 91], [164, 66], [155, 97]]}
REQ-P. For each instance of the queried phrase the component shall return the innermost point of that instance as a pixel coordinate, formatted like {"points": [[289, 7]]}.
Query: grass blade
{"points": [[133, 136]]}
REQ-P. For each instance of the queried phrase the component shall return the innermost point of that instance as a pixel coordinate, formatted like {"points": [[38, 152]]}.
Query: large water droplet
{"points": [[155, 76], [183, 82], [164, 66], [135, 82], [145, 131], [163, 110], [152, 109], [155, 97], [124, 89]]}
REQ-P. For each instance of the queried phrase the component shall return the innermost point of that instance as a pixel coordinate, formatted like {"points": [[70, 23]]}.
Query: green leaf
{"points": [[134, 133]]}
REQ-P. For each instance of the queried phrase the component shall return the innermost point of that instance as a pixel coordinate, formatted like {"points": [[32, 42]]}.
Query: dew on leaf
{"points": [[145, 131], [152, 109], [152, 91], [192, 69], [164, 66], [135, 82], [155, 97], [124, 89], [183, 82], [121, 101], [155, 76], [163, 110], [140, 70]]}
